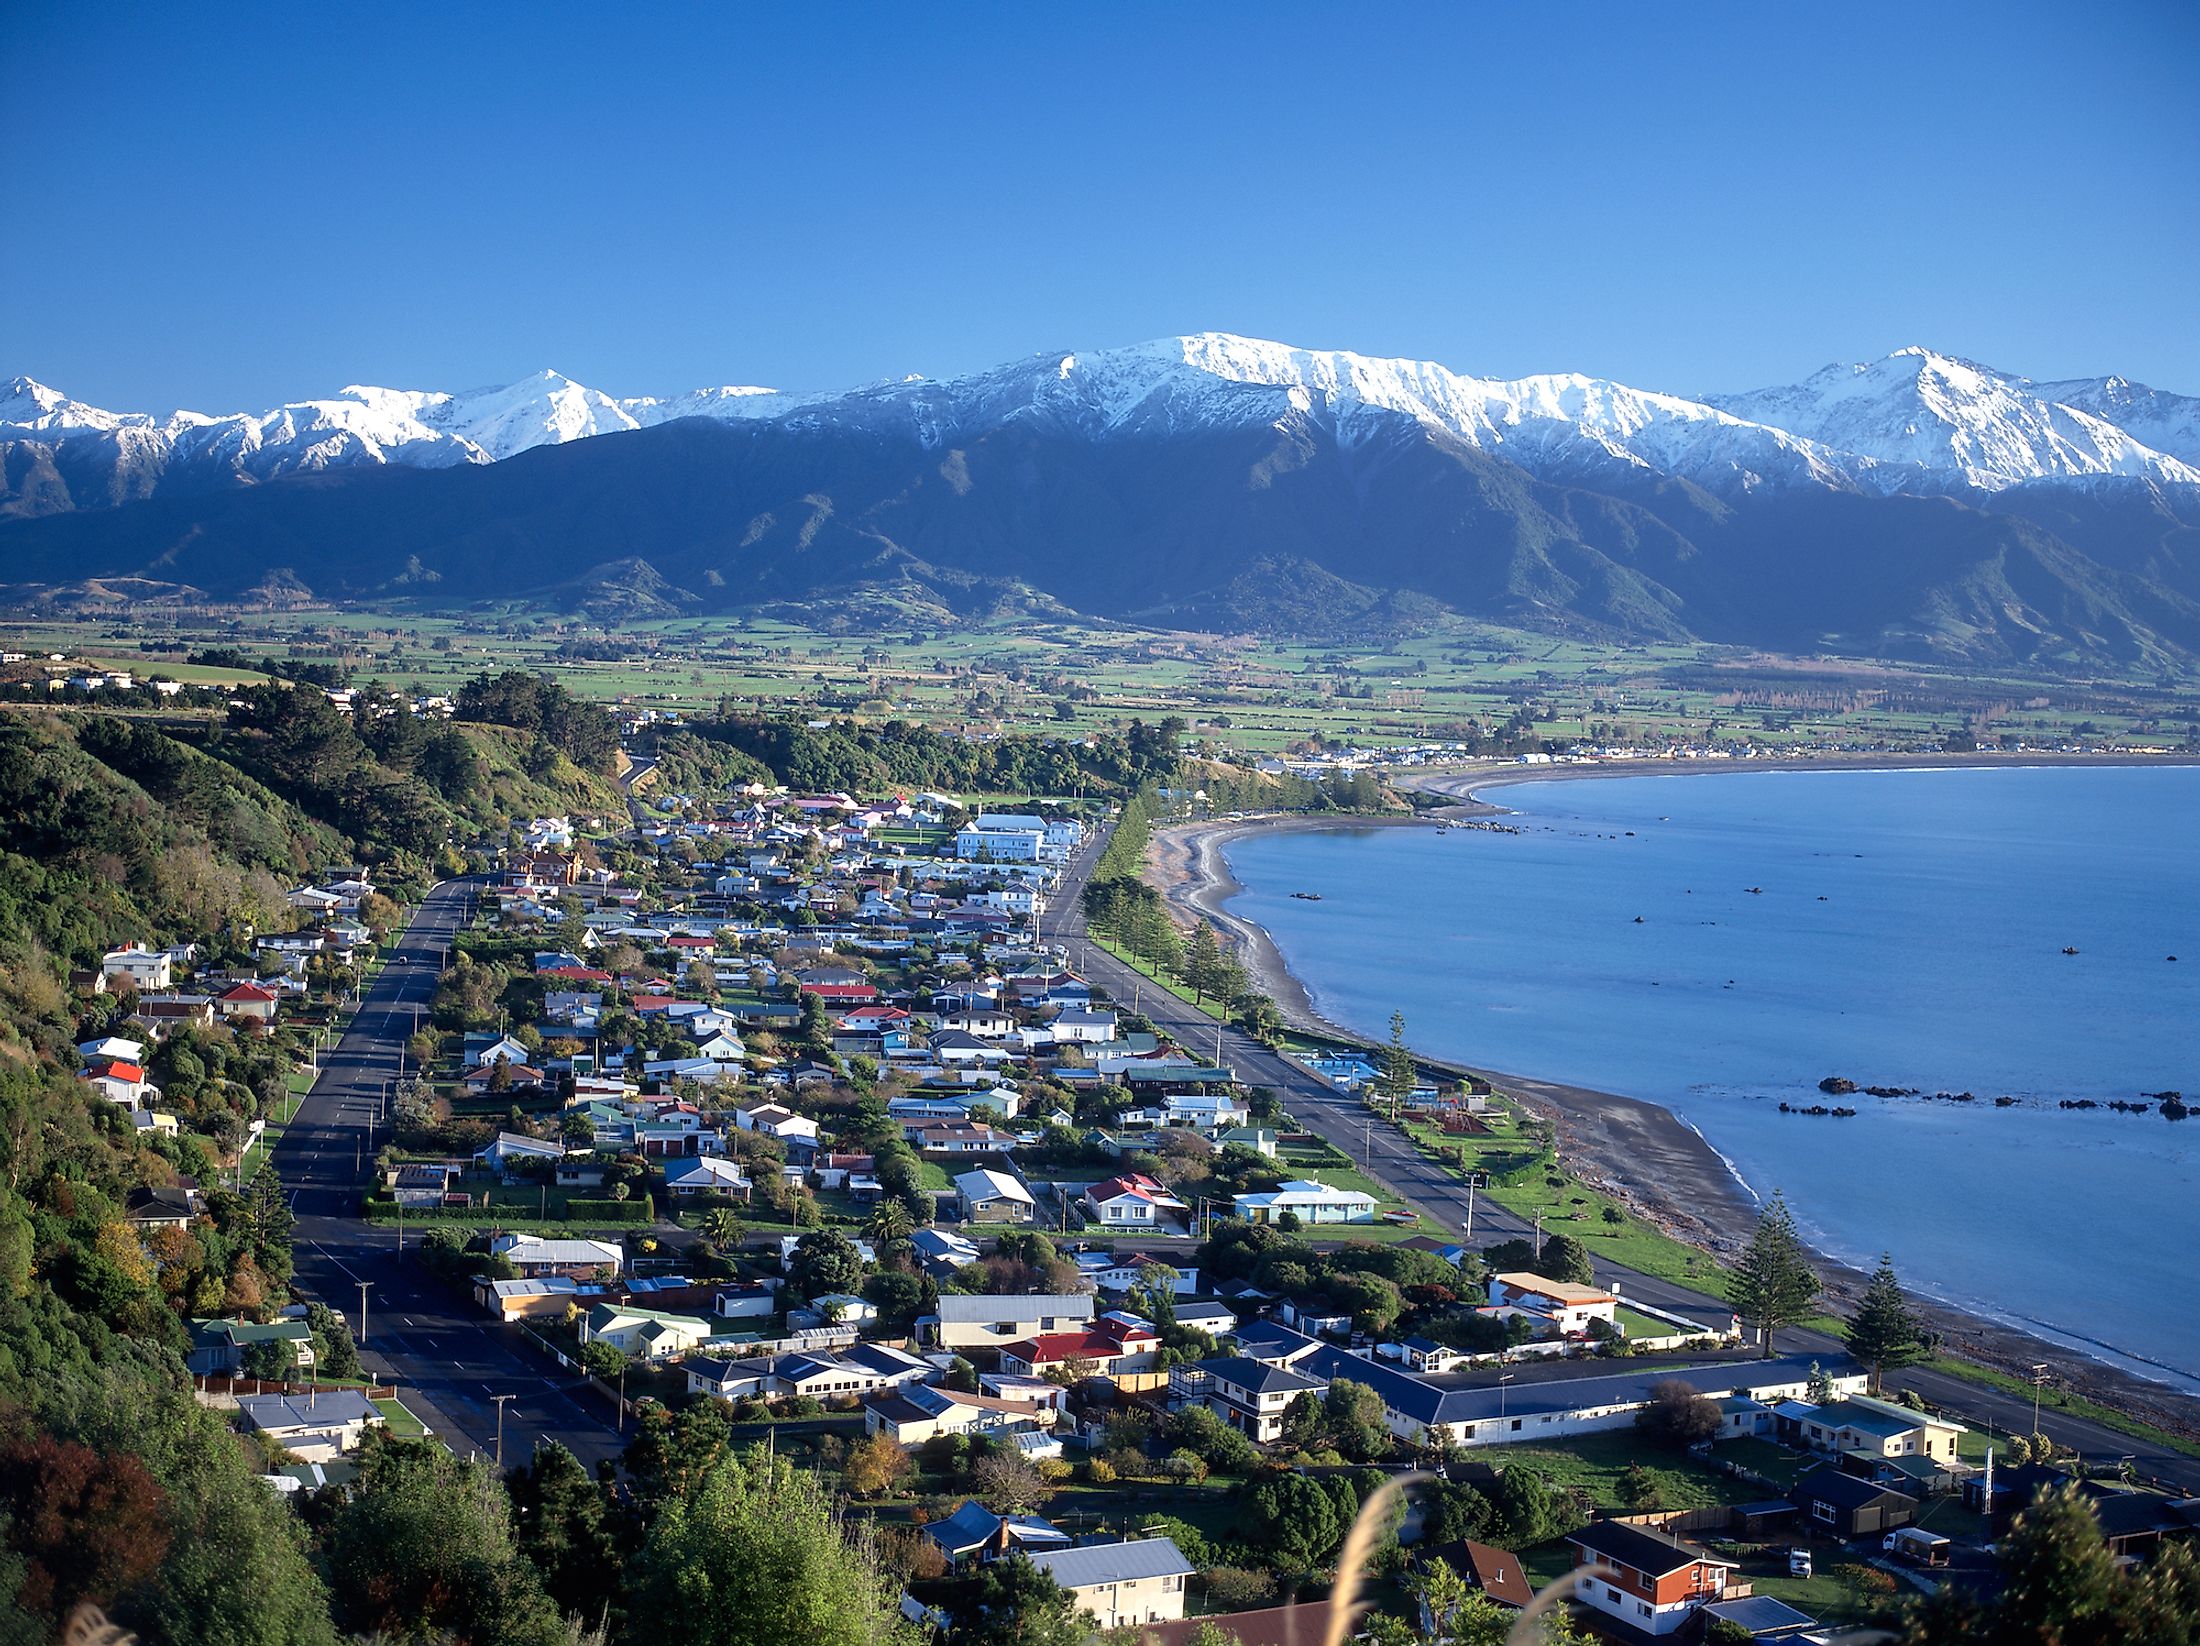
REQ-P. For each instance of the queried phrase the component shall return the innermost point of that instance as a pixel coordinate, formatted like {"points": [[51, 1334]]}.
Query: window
{"points": [[1643, 1607], [1614, 1593]]}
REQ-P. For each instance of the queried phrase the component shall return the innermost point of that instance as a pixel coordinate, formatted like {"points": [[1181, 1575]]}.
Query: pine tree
{"points": [[1884, 1334], [1774, 1283], [1203, 962], [1397, 1063]]}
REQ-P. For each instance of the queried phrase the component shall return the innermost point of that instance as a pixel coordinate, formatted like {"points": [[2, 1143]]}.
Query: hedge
{"points": [[643, 1210]]}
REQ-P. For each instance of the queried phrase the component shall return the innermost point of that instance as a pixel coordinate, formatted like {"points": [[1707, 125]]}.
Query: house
{"points": [[502, 1049], [962, 1137], [1538, 1406], [1861, 1426], [917, 1412], [420, 1182], [644, 1334], [706, 1175], [1554, 1307], [248, 1003], [1310, 1201], [1210, 1317], [1845, 1506], [1495, 1572], [942, 1251], [1116, 1345], [1764, 1617], [159, 1209], [542, 1297], [1646, 1580], [978, 1322], [140, 967], [1203, 1111], [975, 1530], [798, 1132], [218, 1346], [513, 1147], [314, 1427], [1082, 1026], [1131, 1201], [119, 1082], [994, 1197], [1121, 1584], [112, 1049], [532, 1255], [516, 1077], [1250, 1395]]}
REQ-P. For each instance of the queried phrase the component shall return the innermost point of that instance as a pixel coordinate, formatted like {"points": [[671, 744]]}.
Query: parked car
{"points": [[1799, 1563], [1914, 1544]]}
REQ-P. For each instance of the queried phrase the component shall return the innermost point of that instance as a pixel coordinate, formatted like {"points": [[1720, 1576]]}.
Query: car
{"points": [[1799, 1563]]}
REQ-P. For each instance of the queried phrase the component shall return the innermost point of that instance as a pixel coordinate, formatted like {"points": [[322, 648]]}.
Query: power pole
{"points": [[2039, 1382], [500, 1400], [362, 1311], [1539, 1234]]}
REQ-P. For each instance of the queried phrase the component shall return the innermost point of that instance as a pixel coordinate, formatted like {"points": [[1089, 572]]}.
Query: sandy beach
{"points": [[1637, 1151]]}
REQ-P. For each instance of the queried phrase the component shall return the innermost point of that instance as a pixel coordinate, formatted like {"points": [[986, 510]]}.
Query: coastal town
{"points": [[904, 1139]]}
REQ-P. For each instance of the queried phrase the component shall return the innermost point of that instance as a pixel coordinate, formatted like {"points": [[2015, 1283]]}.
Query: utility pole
{"points": [[1539, 1234], [362, 1311], [1470, 1208], [2039, 1382], [500, 1400], [1503, 1378]]}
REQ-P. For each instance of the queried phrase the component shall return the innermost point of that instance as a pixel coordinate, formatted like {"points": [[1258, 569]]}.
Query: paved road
{"points": [[420, 1334], [1391, 1159]]}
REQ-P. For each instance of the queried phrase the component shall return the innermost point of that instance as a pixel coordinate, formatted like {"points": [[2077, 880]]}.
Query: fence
{"points": [[221, 1386]]}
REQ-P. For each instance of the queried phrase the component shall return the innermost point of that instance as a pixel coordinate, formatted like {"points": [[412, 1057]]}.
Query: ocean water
{"points": [[1906, 929]]}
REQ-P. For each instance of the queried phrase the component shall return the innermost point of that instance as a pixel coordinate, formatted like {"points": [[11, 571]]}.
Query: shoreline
{"points": [[1640, 1152]]}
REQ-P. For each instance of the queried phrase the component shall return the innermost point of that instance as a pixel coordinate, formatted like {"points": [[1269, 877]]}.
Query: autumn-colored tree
{"points": [[876, 1464], [86, 1527]]}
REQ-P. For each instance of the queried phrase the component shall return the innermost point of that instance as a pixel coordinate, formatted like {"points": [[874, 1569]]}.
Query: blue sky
{"points": [[224, 207]]}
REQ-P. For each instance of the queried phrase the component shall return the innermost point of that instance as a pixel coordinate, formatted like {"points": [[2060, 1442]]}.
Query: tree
{"points": [[752, 1554], [1774, 1284], [1014, 1603], [823, 1262], [1525, 1506], [1397, 1072], [1352, 1414], [1639, 1489], [558, 1513], [889, 1221], [1565, 1259], [334, 1352], [601, 1359], [722, 1227], [1884, 1332], [1677, 1415], [1007, 1483], [1203, 962], [426, 1550], [1295, 1520], [2061, 1584], [875, 1465], [1456, 1511]]}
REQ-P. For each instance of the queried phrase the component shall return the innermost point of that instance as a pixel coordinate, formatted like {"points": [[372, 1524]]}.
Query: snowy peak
{"points": [[1934, 419], [1913, 420]]}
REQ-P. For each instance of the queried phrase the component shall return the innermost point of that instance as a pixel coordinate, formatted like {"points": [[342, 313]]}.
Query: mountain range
{"points": [[1916, 505]]}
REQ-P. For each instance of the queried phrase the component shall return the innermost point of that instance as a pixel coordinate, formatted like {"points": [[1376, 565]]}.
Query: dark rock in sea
{"points": [[2174, 1108], [2005, 1102], [1835, 1086], [1817, 1108], [2079, 1103], [1638, 919], [1891, 1091]]}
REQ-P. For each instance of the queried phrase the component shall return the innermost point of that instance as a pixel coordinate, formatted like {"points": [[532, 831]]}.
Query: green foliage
{"points": [[753, 1555], [823, 1262], [427, 1549], [584, 733], [1884, 1333], [1565, 1259], [1773, 1284]]}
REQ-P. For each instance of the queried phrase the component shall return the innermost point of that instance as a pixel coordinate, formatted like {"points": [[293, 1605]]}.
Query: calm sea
{"points": [[1898, 928]]}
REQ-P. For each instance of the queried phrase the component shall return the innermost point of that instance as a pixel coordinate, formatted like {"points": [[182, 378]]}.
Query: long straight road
{"points": [[1386, 1155], [419, 1333]]}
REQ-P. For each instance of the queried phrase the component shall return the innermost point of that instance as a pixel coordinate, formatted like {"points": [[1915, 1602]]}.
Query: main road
{"points": [[418, 1332], [1392, 1159]]}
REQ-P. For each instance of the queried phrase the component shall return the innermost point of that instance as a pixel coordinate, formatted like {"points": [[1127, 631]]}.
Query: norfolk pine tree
{"points": [[1884, 1334], [1774, 1283]]}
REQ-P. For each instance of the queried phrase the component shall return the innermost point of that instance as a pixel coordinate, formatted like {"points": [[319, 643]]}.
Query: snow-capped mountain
{"points": [[1912, 422], [1931, 420]]}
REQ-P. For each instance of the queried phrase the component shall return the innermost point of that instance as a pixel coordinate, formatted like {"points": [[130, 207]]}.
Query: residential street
{"points": [[427, 1338], [1392, 1160]]}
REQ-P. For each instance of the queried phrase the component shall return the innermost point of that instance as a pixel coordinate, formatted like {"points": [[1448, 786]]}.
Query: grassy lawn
{"points": [[1775, 1463], [1833, 1594], [1211, 1008], [400, 1421], [932, 1175], [1639, 1325], [1595, 1464]]}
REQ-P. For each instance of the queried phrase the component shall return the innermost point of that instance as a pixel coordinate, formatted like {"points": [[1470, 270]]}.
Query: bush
{"points": [[1100, 1471], [640, 1211], [1677, 1414]]}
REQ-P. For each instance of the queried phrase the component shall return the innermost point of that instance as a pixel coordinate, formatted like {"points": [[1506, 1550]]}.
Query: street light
{"points": [[362, 1311], [1503, 1378], [500, 1400]]}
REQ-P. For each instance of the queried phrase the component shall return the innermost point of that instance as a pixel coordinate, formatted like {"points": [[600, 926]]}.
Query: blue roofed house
{"points": [[1123, 1584], [975, 1530]]}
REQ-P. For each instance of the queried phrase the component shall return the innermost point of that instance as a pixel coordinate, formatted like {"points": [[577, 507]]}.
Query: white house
{"points": [[533, 1255], [1133, 1202], [1121, 1584], [1553, 1305], [644, 1334], [144, 968], [315, 1428], [1312, 1201], [994, 1197], [705, 1174], [966, 1321]]}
